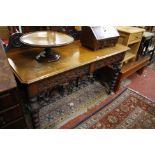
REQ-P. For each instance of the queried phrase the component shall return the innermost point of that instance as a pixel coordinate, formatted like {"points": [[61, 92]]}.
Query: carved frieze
{"points": [[62, 78], [109, 60]]}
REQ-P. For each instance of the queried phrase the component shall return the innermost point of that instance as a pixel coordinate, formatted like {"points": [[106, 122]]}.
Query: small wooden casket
{"points": [[98, 37]]}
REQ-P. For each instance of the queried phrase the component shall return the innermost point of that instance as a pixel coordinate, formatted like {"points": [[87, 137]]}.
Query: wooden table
{"points": [[75, 61]]}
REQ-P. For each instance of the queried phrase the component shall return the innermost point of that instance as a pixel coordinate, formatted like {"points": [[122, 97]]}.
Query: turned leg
{"points": [[118, 82], [140, 71], [152, 54], [34, 108], [140, 51], [77, 81], [117, 69], [71, 86], [61, 90]]}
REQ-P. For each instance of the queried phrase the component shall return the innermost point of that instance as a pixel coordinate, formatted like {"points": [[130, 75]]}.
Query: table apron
{"points": [[36, 88]]}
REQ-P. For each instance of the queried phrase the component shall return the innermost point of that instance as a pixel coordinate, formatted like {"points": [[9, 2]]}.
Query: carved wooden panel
{"points": [[108, 61], [62, 78]]}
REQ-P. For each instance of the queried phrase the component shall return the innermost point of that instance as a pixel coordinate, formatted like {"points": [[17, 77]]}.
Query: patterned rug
{"points": [[59, 112], [127, 110]]}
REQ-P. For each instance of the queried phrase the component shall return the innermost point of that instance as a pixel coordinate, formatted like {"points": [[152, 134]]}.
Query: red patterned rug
{"points": [[145, 83], [128, 110]]}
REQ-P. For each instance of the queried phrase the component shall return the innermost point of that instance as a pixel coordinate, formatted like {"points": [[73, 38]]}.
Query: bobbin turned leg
{"points": [[117, 69], [77, 81], [34, 108]]}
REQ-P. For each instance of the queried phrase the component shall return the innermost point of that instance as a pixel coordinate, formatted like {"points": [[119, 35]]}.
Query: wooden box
{"points": [[98, 37]]}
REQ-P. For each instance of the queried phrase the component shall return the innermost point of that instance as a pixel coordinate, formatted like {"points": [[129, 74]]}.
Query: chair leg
{"points": [[151, 57], [140, 71]]}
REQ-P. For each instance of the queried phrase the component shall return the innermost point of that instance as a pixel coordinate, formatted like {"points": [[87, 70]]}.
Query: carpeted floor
{"points": [[127, 110], [63, 110], [144, 84], [140, 84]]}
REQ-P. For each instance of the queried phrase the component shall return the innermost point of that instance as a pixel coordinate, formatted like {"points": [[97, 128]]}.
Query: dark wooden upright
{"points": [[11, 115]]}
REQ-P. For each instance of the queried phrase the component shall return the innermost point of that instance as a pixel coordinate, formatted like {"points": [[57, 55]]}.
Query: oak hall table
{"points": [[75, 61]]}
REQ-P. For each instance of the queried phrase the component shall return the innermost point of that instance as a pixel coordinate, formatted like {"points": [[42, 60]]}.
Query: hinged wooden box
{"points": [[98, 37]]}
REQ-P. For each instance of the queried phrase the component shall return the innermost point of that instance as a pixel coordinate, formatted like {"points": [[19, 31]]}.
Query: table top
{"points": [[28, 70], [46, 39], [7, 80], [129, 29]]}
